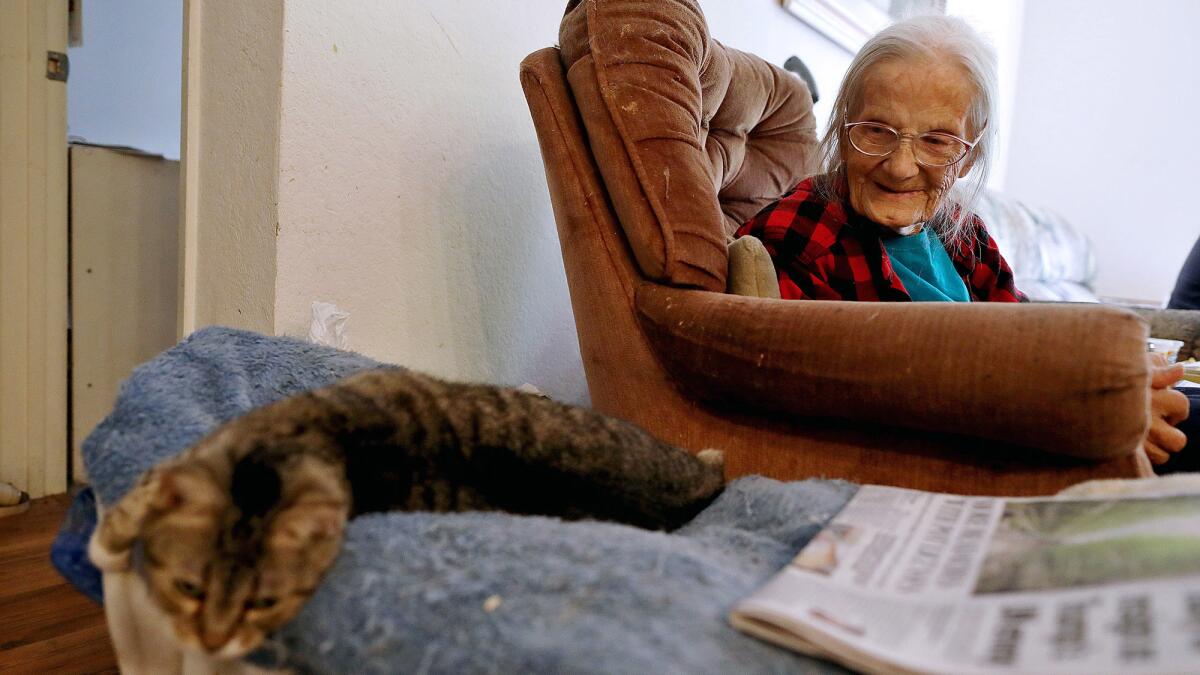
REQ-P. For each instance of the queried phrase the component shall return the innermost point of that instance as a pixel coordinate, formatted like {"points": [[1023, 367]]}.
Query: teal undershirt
{"points": [[925, 269]]}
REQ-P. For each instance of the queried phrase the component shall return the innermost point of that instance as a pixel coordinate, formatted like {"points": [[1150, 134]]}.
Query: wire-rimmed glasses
{"points": [[932, 148]]}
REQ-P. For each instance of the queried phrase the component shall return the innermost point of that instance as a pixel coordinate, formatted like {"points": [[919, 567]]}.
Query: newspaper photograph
{"points": [[910, 581]]}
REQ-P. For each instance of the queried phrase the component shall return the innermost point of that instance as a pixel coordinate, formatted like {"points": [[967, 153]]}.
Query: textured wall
{"points": [[230, 273], [411, 190], [1102, 90]]}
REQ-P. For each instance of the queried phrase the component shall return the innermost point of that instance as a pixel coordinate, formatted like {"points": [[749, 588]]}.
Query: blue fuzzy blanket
{"points": [[473, 592]]}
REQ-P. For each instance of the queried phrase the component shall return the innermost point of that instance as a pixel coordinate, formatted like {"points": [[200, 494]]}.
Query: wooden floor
{"points": [[46, 626]]}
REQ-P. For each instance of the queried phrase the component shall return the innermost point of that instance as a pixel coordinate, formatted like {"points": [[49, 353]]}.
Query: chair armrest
{"points": [[1002, 372], [1175, 324]]}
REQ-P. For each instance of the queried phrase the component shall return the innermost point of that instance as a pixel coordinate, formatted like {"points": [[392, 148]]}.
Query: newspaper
{"points": [[910, 581]]}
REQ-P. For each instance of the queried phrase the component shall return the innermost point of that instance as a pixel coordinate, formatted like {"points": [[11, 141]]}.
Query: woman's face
{"points": [[913, 96]]}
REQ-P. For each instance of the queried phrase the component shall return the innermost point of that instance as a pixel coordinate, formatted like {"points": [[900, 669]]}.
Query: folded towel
{"points": [[479, 592]]}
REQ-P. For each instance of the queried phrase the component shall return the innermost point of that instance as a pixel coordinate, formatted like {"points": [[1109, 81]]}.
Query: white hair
{"points": [[945, 39]]}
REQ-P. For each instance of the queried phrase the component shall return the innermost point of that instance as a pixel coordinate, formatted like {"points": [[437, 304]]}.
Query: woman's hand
{"points": [[1168, 407]]}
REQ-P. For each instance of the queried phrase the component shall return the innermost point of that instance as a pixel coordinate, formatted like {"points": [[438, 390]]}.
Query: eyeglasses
{"points": [[932, 148]]}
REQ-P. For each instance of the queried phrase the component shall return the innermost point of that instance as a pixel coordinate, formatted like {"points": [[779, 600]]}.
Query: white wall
{"points": [[1000, 24], [231, 164], [124, 83], [1100, 86], [411, 188]]}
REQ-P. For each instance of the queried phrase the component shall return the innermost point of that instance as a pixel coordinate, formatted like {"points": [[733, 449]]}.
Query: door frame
{"points": [[34, 447]]}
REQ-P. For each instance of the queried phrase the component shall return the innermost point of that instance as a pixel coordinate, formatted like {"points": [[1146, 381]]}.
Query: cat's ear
{"points": [[306, 523], [159, 490]]}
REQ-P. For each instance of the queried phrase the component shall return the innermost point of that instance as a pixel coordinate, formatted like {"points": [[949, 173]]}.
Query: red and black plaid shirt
{"points": [[821, 252]]}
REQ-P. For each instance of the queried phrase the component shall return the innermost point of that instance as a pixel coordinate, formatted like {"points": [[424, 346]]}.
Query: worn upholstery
{"points": [[698, 368], [830, 364], [692, 137]]}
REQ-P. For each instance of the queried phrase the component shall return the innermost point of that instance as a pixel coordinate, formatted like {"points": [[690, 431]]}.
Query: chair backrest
{"points": [[691, 137], [624, 377]]}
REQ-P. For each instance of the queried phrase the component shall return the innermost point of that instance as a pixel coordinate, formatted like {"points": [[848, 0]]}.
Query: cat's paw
{"points": [[711, 457], [106, 559]]}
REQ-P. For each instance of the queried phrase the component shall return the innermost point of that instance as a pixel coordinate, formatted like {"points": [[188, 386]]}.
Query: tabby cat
{"points": [[236, 532]]}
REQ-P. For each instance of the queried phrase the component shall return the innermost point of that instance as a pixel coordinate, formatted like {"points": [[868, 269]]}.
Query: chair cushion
{"points": [[692, 137], [1051, 258], [751, 271]]}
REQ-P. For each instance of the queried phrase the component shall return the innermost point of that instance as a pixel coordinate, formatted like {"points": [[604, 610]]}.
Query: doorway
{"points": [[123, 122], [89, 195]]}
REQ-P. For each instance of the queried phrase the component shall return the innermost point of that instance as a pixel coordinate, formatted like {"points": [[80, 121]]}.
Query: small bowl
{"points": [[1168, 348]]}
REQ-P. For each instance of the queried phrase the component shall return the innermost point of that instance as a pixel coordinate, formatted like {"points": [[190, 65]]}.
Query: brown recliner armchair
{"points": [[657, 143]]}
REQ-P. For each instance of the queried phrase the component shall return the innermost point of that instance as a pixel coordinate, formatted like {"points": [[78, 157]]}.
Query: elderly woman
{"points": [[905, 159]]}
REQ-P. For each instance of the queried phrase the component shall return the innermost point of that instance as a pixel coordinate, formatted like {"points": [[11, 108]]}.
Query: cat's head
{"points": [[226, 576]]}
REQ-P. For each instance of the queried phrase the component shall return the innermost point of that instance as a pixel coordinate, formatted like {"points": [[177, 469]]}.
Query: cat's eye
{"points": [[188, 588], [261, 603]]}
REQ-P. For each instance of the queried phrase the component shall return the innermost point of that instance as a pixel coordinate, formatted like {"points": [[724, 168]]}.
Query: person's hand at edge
{"points": [[1168, 407]]}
